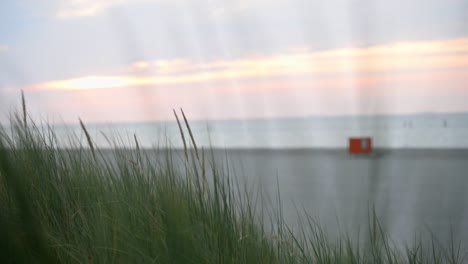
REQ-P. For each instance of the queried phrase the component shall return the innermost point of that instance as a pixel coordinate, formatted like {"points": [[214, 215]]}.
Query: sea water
{"points": [[398, 131]]}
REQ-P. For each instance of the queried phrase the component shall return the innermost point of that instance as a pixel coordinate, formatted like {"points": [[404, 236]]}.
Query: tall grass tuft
{"points": [[88, 205]]}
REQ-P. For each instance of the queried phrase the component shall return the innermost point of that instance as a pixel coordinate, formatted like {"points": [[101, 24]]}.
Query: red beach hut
{"points": [[362, 145]]}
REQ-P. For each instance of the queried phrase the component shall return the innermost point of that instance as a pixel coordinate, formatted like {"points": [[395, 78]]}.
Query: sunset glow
{"points": [[89, 82], [127, 60], [394, 59]]}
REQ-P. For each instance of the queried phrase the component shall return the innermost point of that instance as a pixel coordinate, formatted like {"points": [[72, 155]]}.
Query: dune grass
{"points": [[78, 205]]}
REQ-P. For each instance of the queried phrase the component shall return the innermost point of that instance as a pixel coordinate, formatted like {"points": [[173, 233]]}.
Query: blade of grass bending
{"points": [[88, 137], [203, 171], [138, 150], [190, 133], [137, 145], [181, 134], [23, 102]]}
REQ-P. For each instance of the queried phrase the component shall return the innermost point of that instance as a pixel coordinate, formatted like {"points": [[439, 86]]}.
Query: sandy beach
{"points": [[413, 190]]}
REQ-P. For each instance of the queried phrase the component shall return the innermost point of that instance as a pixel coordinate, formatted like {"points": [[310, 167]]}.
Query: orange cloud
{"points": [[89, 82], [395, 58]]}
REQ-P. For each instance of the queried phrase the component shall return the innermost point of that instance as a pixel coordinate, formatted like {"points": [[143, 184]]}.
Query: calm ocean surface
{"points": [[408, 131]]}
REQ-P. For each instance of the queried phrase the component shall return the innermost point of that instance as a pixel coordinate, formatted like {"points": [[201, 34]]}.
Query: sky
{"points": [[131, 61]]}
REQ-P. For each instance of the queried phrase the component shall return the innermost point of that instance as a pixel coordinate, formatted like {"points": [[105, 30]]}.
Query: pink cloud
{"points": [[398, 77]]}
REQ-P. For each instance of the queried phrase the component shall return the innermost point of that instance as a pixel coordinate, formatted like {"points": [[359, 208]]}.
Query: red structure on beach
{"points": [[360, 145]]}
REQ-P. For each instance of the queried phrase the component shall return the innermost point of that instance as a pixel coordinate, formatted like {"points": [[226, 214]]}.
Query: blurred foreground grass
{"points": [[77, 205]]}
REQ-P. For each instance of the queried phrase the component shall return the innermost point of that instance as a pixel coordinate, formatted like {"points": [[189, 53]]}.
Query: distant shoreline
{"points": [[336, 152], [462, 150]]}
